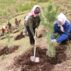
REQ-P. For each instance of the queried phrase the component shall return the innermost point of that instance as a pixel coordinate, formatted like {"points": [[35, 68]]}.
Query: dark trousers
{"points": [[31, 36]]}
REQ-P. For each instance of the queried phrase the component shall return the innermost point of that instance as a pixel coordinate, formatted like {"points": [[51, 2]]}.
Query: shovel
{"points": [[34, 58]]}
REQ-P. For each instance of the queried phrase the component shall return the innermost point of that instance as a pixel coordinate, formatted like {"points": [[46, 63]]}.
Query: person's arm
{"points": [[67, 27], [29, 24], [62, 38], [38, 22], [56, 32]]}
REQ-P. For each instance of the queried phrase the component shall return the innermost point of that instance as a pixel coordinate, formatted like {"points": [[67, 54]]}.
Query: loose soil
{"points": [[4, 50], [46, 63], [20, 36]]}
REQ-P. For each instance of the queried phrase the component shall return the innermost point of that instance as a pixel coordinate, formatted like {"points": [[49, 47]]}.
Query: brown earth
{"points": [[60, 63], [4, 50], [21, 62]]}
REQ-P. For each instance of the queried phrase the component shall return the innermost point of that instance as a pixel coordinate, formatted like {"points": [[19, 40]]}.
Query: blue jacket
{"points": [[63, 35]]}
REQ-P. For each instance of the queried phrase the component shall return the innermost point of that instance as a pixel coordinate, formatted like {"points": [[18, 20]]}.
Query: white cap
{"points": [[62, 18], [34, 7], [32, 12]]}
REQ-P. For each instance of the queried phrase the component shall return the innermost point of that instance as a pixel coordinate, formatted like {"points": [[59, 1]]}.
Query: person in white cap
{"points": [[32, 21], [62, 27]]}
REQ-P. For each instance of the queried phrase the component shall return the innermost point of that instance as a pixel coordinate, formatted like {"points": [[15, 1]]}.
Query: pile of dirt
{"points": [[27, 65], [20, 36], [46, 63], [7, 50]]}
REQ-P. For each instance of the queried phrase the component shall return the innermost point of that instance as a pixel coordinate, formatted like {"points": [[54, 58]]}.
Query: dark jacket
{"points": [[32, 23]]}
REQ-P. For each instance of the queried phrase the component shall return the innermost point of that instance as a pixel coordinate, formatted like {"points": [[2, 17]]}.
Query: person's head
{"points": [[61, 18], [36, 10]]}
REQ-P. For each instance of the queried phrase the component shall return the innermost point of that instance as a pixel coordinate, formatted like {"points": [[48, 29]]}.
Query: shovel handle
{"points": [[35, 47]]}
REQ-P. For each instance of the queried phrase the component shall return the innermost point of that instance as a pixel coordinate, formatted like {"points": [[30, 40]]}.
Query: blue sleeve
{"points": [[57, 29], [67, 27], [62, 38]]}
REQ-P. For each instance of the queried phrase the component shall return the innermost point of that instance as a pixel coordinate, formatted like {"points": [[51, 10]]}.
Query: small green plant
{"points": [[7, 34], [49, 16]]}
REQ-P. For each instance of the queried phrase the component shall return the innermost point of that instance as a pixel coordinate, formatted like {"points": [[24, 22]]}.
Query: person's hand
{"points": [[53, 40], [35, 37]]}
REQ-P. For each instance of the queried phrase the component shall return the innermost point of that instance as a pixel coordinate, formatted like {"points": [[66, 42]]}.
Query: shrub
{"points": [[48, 17]]}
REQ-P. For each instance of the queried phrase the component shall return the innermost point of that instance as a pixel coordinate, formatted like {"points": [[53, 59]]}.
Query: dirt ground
{"points": [[8, 54], [14, 58], [60, 63], [21, 61]]}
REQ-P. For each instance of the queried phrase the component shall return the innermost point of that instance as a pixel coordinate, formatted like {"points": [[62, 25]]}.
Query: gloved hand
{"points": [[35, 37], [53, 40]]}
